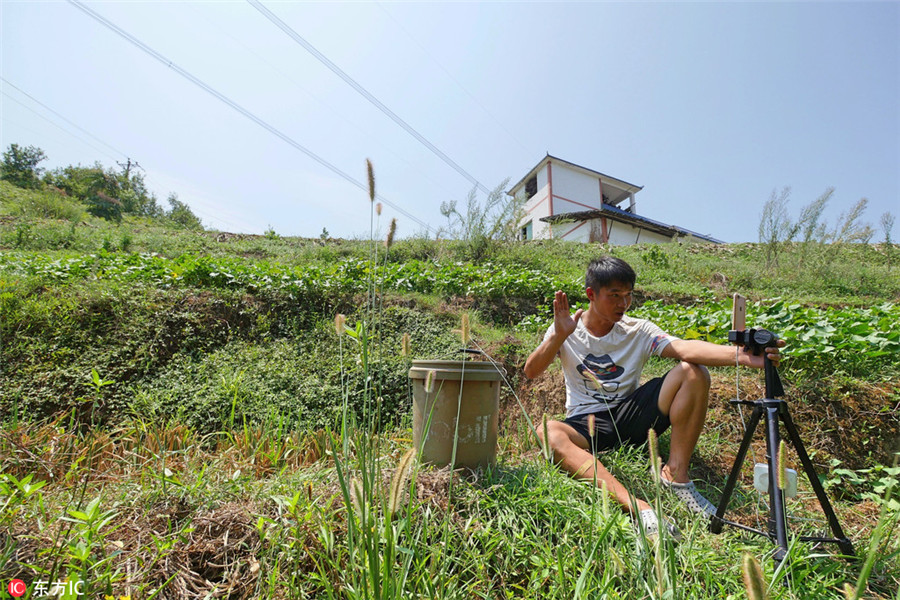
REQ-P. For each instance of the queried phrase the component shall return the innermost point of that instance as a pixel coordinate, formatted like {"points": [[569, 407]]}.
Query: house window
{"points": [[525, 233], [531, 187]]}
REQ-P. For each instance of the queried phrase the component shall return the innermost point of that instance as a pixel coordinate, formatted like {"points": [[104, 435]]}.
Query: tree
{"points": [[887, 224], [84, 182], [776, 228], [181, 213], [849, 228], [20, 166], [497, 219], [775, 225], [127, 187], [102, 195], [136, 199]]}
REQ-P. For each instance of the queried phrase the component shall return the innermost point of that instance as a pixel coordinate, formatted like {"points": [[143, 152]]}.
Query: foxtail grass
{"points": [[403, 468], [754, 582], [376, 565], [465, 331], [404, 346], [392, 231], [782, 466], [655, 462], [548, 453]]}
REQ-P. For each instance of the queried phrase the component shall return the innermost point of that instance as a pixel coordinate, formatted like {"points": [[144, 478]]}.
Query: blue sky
{"points": [[709, 106]]}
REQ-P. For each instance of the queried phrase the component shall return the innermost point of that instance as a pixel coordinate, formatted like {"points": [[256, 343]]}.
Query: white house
{"points": [[570, 202]]}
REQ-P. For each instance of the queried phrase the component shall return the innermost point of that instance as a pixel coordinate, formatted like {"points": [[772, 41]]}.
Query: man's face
{"points": [[611, 302]]}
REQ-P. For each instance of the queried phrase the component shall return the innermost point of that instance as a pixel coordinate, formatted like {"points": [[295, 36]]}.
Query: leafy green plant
{"points": [[824, 340], [98, 384], [87, 553], [14, 493], [23, 235], [887, 522], [870, 483]]}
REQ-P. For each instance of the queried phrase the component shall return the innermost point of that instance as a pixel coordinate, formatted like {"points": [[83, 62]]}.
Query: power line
{"points": [[237, 107], [364, 92], [36, 101], [211, 216], [450, 75], [327, 106], [60, 127]]}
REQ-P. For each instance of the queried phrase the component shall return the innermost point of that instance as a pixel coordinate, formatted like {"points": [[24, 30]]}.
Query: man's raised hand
{"points": [[564, 323], [563, 320]]}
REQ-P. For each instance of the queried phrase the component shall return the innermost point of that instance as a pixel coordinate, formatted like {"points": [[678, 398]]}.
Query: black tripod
{"points": [[757, 340]]}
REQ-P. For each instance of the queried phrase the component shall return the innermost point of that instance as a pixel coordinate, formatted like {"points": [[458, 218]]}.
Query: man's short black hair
{"points": [[606, 270]]}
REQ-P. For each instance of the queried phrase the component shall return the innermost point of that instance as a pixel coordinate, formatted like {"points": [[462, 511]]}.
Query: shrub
{"points": [[20, 166], [105, 207]]}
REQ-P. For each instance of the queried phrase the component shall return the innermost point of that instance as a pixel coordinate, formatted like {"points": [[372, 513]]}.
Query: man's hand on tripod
{"points": [[700, 352], [757, 362]]}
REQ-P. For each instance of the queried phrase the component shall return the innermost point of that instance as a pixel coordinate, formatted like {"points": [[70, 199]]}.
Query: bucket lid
{"points": [[457, 369]]}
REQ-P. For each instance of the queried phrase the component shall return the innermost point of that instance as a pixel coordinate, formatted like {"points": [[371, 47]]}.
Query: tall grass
{"points": [[374, 563], [160, 505]]}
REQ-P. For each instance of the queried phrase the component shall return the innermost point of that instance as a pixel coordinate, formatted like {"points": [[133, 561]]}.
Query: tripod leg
{"points": [[716, 523], [777, 518], [843, 542]]}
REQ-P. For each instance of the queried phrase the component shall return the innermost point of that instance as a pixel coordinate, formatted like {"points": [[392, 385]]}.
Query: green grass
{"points": [[143, 497], [181, 419]]}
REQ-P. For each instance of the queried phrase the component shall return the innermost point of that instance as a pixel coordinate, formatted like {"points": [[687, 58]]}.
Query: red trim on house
{"points": [[563, 236], [575, 202], [605, 230], [550, 190], [528, 211]]}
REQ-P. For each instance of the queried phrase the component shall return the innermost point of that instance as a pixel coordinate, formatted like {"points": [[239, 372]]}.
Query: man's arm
{"points": [[699, 352], [564, 323]]}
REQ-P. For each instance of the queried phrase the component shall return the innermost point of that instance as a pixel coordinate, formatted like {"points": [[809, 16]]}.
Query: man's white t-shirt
{"points": [[616, 359]]}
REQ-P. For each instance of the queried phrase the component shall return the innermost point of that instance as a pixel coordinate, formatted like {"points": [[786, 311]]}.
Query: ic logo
{"points": [[16, 588]]}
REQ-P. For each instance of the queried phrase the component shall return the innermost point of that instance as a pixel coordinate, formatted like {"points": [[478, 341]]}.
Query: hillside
{"points": [[179, 397]]}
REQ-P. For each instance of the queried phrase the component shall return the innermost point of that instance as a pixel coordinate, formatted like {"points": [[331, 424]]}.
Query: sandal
{"points": [[687, 493], [650, 524]]}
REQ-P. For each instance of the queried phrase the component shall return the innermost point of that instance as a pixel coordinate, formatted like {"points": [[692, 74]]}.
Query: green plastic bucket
{"points": [[469, 389]]}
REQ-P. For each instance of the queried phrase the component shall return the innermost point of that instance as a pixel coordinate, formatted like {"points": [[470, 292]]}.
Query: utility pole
{"points": [[127, 168]]}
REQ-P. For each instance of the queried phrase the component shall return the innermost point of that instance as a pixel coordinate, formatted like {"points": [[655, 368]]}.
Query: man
{"points": [[603, 352]]}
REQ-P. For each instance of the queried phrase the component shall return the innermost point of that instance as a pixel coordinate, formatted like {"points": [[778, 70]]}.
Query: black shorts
{"points": [[627, 422]]}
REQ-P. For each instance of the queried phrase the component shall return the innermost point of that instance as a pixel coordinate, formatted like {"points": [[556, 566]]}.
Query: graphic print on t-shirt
{"points": [[604, 369]]}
